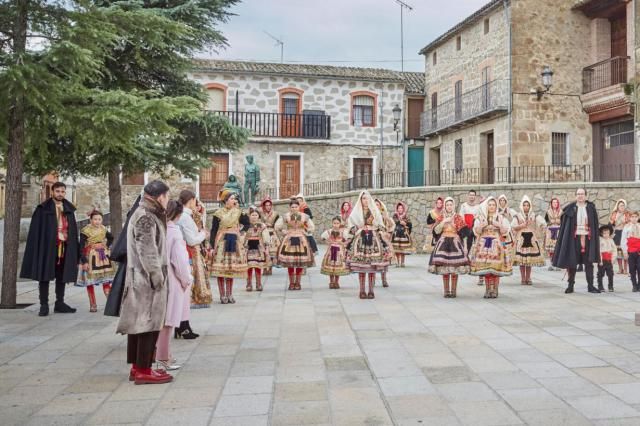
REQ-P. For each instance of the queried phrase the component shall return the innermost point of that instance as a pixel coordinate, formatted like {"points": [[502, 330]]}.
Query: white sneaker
{"points": [[168, 365]]}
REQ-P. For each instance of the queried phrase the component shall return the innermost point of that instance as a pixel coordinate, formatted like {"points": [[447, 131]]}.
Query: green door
{"points": [[416, 166]]}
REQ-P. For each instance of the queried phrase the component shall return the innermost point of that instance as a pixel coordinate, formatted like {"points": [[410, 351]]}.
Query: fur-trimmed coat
{"points": [[144, 302]]}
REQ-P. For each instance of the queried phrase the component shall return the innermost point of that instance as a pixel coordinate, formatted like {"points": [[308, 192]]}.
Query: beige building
{"points": [[310, 124], [489, 116]]}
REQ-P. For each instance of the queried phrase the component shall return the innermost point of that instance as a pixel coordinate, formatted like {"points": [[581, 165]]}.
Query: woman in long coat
{"points": [[180, 279]]}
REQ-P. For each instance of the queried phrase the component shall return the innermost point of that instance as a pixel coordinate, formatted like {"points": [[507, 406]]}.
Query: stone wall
{"points": [[421, 200]]}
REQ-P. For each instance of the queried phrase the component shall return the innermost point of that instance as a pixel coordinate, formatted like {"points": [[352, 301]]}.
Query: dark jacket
{"points": [[566, 251], [40, 255]]}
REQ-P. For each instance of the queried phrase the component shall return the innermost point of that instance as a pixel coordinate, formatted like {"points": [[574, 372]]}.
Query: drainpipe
{"points": [[507, 17]]}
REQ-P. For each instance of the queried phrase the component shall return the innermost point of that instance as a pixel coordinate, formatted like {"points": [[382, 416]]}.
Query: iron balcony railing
{"points": [[465, 176], [604, 74], [278, 125], [482, 101]]}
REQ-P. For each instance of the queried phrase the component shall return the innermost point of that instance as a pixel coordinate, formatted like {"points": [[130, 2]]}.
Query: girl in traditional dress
{"points": [[508, 213], [528, 250], [228, 260], [401, 239], [304, 208], [96, 267], [334, 263], [179, 280], [552, 219], [368, 250], [256, 243], [618, 219], [345, 211], [387, 232], [488, 256], [449, 257], [295, 252], [269, 217], [432, 219]]}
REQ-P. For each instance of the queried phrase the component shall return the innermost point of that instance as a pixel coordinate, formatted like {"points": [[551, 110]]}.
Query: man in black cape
{"points": [[52, 250], [578, 240]]}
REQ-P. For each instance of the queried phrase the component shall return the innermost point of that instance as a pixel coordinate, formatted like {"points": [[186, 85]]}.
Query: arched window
{"points": [[217, 99], [363, 109]]}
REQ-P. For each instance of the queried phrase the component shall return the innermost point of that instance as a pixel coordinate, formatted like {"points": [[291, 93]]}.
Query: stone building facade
{"points": [[492, 111], [309, 123]]}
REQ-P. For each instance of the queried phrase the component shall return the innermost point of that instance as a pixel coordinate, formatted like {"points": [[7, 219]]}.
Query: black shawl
{"points": [[566, 251]]}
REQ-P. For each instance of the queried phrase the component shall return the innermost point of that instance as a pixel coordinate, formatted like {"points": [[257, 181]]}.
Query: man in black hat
{"points": [[52, 250], [578, 240]]}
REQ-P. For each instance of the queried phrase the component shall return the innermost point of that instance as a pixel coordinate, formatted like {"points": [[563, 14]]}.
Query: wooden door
{"points": [[289, 176], [290, 118], [619, 37], [490, 159], [362, 173], [415, 166], [616, 152], [416, 106], [212, 179]]}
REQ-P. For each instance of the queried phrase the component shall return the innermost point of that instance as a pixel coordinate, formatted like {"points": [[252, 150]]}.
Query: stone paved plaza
{"points": [[319, 356]]}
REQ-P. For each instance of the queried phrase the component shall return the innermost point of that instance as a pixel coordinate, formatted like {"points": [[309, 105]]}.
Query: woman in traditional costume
{"points": [[401, 238], [368, 250], [95, 264], [387, 232], [228, 260], [304, 208], [345, 211], [488, 256], [269, 217], [552, 218], [256, 243], [334, 263], [618, 219], [434, 216], [449, 257], [528, 251], [295, 252]]}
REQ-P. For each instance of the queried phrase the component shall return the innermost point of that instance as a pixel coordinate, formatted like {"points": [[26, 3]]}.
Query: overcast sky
{"points": [[363, 33]]}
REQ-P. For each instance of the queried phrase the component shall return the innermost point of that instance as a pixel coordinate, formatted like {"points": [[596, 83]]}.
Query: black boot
{"points": [[191, 331], [184, 332], [569, 288], [592, 289], [636, 288], [60, 307], [43, 292]]}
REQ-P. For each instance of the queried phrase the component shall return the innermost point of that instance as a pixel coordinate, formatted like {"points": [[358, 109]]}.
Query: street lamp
{"points": [[397, 112], [547, 81]]}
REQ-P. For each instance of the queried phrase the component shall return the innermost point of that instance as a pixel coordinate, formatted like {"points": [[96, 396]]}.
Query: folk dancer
{"points": [[432, 219], [269, 217], [96, 267], [449, 257], [608, 251], [630, 243], [228, 259], [528, 250], [256, 244], [295, 252], [618, 219], [387, 234], [469, 210], [489, 257], [552, 218], [401, 239], [334, 263]]}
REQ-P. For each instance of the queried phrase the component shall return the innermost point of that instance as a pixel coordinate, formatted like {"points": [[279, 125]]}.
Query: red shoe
{"points": [[132, 373], [153, 378]]}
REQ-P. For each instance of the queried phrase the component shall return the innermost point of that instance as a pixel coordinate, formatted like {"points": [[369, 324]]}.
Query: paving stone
{"points": [[122, 412], [541, 370], [410, 385], [345, 363], [627, 392], [418, 406], [243, 405], [195, 416], [565, 417], [450, 375], [485, 413], [605, 375], [602, 407], [73, 403], [248, 385], [189, 397], [303, 391], [570, 387], [301, 413], [509, 380], [469, 391], [531, 399]]}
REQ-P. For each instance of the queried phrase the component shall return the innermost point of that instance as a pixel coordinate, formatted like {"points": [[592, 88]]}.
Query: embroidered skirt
{"points": [[295, 252], [335, 261], [550, 238], [402, 242], [274, 243], [449, 257], [201, 296], [489, 257], [528, 251], [100, 271], [367, 254], [228, 259], [257, 256]]}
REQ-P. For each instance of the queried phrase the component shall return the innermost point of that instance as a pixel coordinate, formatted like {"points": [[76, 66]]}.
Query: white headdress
{"points": [[356, 218]]}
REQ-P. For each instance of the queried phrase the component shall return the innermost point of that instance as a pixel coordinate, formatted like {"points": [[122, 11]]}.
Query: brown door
{"points": [[490, 166], [289, 176], [616, 152], [416, 106], [619, 37], [212, 179], [291, 120], [362, 172]]}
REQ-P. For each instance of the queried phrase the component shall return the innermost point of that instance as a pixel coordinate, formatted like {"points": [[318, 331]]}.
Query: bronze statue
{"points": [[233, 185], [251, 180]]}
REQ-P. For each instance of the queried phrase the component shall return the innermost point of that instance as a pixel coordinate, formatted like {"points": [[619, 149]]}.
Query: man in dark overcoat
{"points": [[52, 250], [578, 240]]}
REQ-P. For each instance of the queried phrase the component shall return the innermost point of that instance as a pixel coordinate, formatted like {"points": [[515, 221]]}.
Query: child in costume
{"points": [[95, 264], [608, 251], [528, 250], [334, 263], [295, 252], [401, 239], [552, 217], [256, 244]]}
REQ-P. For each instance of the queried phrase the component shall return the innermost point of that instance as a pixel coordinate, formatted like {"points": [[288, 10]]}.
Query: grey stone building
{"points": [[311, 123], [489, 115]]}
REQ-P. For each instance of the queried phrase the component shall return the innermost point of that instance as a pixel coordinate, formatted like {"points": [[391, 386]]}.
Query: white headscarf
{"points": [[444, 206], [484, 206], [531, 213], [356, 218]]}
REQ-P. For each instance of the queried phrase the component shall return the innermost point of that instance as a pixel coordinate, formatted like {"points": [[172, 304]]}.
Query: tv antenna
{"points": [[278, 42], [403, 6]]}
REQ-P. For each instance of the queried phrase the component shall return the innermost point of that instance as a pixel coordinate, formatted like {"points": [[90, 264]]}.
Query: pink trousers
{"points": [[162, 345]]}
